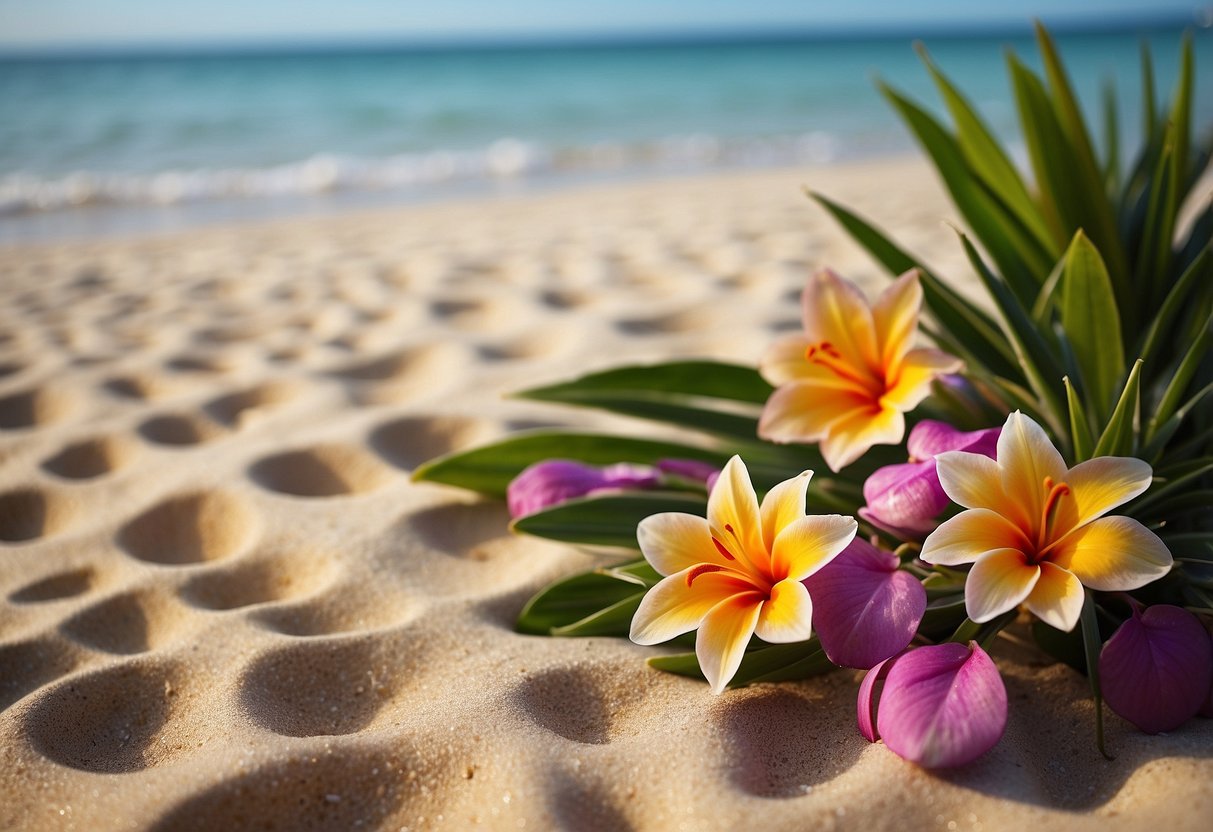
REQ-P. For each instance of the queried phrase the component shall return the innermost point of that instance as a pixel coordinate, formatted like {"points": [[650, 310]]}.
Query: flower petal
{"points": [[850, 438], [911, 382], [999, 581], [809, 543], [1155, 671], [784, 360], [1113, 554], [869, 696], [804, 411], [836, 311], [931, 437], [673, 541], [723, 637], [968, 536], [975, 481], [904, 499], [782, 505], [787, 616], [1101, 484], [1026, 457], [673, 606], [553, 481], [733, 516], [895, 314], [1057, 597], [943, 705], [866, 609]]}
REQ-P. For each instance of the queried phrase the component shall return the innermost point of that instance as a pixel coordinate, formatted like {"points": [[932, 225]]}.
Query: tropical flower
{"points": [[1035, 530], [846, 382], [866, 609], [1156, 669], [554, 481], [939, 706], [737, 573], [905, 499]]}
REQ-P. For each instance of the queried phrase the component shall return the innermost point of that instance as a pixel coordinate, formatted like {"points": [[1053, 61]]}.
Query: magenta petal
{"points": [[930, 438], [943, 705], [864, 608], [1155, 671], [865, 705], [904, 499], [691, 469], [554, 481]]}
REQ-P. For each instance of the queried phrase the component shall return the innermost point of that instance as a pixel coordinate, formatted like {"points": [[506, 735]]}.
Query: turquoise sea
{"points": [[123, 142]]}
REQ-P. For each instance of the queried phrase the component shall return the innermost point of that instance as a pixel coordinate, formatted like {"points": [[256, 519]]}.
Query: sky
{"points": [[68, 24]]}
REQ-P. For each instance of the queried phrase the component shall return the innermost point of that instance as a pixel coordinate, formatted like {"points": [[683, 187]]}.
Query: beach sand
{"points": [[224, 605]]}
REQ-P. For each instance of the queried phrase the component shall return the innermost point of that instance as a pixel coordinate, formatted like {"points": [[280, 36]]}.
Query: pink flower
{"points": [[905, 499], [866, 608], [941, 706], [555, 481], [1156, 670]]}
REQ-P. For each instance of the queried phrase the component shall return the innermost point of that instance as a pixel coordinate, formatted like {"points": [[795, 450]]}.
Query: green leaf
{"points": [[1092, 643], [1154, 247], [964, 330], [761, 663], [1111, 123], [1177, 388], [566, 602], [1180, 479], [1038, 363], [1194, 285], [1063, 646], [1080, 429], [707, 379], [1097, 217], [1020, 258], [988, 161], [1149, 110], [605, 520], [615, 621], [1160, 435], [488, 469], [1181, 107], [1120, 433], [1092, 323], [687, 394]]}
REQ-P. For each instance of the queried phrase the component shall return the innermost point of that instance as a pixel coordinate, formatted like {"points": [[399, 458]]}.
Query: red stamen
{"points": [[1048, 513], [725, 552], [702, 569]]}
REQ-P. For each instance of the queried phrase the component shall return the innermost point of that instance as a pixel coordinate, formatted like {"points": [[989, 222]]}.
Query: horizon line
{"points": [[623, 38]]}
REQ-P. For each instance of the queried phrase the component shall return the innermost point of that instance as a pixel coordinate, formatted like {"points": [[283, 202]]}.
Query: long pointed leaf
{"points": [[1020, 258], [708, 379], [1118, 437], [605, 520], [988, 160], [1080, 428], [1092, 323], [1098, 219], [1177, 388], [1195, 284], [1039, 365], [488, 469]]}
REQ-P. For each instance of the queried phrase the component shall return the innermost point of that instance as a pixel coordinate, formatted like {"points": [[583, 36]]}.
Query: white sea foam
{"points": [[506, 158]]}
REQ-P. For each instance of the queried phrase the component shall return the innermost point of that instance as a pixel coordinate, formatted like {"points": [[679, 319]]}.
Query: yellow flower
{"points": [[1035, 531], [846, 382], [738, 572]]}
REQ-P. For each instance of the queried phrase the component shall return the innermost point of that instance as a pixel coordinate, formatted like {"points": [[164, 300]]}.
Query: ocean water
{"points": [[136, 142]]}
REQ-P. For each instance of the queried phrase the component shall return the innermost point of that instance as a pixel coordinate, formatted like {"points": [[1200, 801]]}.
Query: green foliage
{"points": [[1104, 299]]}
